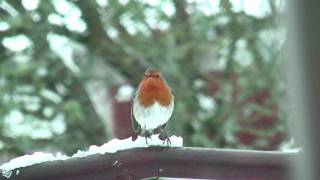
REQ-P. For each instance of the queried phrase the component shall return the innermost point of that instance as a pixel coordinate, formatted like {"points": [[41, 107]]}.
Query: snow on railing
{"points": [[180, 162], [127, 159], [112, 146]]}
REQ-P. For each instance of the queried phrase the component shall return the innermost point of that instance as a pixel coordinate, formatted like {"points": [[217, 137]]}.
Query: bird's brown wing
{"points": [[135, 125]]}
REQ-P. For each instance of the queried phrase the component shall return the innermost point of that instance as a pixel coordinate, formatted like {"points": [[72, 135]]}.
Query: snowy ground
{"points": [[110, 147]]}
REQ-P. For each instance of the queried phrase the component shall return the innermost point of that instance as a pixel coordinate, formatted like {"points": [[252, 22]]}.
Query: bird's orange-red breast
{"points": [[153, 102]]}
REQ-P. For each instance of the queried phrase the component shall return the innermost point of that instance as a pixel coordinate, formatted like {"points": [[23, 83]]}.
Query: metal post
{"points": [[304, 75]]}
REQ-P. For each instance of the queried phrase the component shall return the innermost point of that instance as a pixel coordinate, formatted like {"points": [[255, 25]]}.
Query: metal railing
{"points": [[200, 163]]}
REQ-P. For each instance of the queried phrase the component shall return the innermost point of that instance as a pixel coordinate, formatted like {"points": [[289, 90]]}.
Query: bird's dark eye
{"points": [[157, 76]]}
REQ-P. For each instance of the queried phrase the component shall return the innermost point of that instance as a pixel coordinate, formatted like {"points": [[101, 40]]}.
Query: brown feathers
{"points": [[154, 89]]}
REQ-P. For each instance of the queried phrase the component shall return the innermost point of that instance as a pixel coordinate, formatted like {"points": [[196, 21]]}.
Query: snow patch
{"points": [[116, 145], [4, 26], [257, 8], [17, 43], [124, 93], [290, 147], [103, 3], [51, 95], [123, 2], [110, 147], [19, 125], [30, 5], [293, 150], [206, 102], [242, 55]]}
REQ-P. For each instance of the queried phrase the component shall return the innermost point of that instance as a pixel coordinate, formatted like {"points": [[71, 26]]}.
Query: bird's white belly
{"points": [[153, 116]]}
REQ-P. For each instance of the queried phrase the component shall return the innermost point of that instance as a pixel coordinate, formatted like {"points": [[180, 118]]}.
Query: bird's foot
{"points": [[134, 137], [146, 136], [165, 138], [146, 140]]}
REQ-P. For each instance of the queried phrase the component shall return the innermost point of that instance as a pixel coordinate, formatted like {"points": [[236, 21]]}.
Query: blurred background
{"points": [[68, 70]]}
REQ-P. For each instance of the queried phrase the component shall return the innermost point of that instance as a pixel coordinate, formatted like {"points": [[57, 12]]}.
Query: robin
{"points": [[152, 105]]}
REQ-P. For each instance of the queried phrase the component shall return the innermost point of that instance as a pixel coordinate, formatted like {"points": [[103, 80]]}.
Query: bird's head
{"points": [[152, 73]]}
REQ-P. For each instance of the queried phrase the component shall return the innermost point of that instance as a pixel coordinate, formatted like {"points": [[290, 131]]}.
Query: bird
{"points": [[152, 106]]}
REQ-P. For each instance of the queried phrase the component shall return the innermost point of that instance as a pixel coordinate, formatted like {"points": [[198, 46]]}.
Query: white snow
{"points": [[6, 6], [116, 145], [28, 160], [124, 93], [206, 102], [242, 54], [168, 8], [129, 24], [17, 43], [63, 47], [293, 150], [290, 146], [208, 8], [19, 125], [4, 26], [112, 32], [199, 83], [257, 8], [30, 4], [123, 2], [56, 19], [151, 2], [153, 17], [50, 95], [58, 124], [110, 147], [103, 3]]}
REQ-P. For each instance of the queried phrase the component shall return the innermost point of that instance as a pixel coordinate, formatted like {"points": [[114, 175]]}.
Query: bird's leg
{"points": [[165, 138], [134, 137], [146, 134], [136, 134], [163, 135]]}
